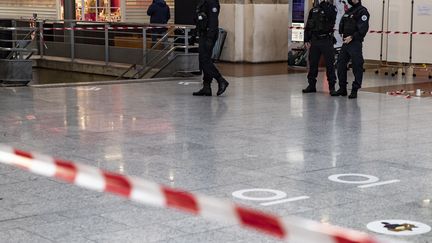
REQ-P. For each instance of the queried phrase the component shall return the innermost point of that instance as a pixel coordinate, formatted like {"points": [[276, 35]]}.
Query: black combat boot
{"points": [[332, 89], [309, 89], [342, 91], [353, 94], [223, 84], [205, 91]]}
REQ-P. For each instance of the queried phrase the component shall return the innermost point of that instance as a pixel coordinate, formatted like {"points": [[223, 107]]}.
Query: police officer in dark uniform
{"points": [[207, 27], [353, 28], [319, 40]]}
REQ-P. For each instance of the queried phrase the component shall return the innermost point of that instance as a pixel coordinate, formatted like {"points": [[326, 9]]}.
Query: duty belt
{"points": [[322, 37]]}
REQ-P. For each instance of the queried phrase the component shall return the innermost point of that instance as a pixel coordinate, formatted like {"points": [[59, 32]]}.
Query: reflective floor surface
{"points": [[262, 134]]}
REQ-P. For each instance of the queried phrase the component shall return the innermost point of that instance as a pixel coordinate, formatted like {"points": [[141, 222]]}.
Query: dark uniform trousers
{"points": [[206, 45], [324, 47], [354, 52]]}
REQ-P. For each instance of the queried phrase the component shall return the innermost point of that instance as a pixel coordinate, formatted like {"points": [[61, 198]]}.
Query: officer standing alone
{"points": [[353, 28], [319, 40], [207, 26]]}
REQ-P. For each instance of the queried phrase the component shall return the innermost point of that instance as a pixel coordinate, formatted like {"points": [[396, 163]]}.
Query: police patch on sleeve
{"points": [[364, 17], [214, 10]]}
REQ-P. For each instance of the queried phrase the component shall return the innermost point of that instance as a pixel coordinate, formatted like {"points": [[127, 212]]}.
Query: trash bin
{"points": [[298, 57], [217, 50]]}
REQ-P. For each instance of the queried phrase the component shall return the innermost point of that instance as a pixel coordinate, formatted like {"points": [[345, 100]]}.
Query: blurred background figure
{"points": [[159, 13]]}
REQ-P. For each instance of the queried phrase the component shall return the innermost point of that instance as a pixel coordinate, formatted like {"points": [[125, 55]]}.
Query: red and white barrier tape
{"points": [[293, 230], [104, 28], [156, 27], [400, 32], [382, 32]]}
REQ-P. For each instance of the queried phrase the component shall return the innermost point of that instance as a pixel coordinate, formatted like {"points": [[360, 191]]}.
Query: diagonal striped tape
{"points": [[294, 230], [381, 31]]}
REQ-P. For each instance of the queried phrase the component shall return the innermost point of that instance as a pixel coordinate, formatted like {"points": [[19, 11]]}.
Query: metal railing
{"points": [[16, 41], [137, 46], [17, 45], [166, 50], [112, 43], [151, 65]]}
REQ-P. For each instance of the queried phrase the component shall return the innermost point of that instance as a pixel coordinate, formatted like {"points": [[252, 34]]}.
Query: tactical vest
{"points": [[349, 24], [319, 21]]}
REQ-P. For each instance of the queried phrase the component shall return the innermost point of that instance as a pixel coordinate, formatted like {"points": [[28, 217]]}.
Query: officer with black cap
{"points": [[319, 40], [207, 27], [353, 27]]}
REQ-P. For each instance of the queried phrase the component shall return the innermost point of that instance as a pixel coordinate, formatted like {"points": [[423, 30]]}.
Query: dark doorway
{"points": [[185, 12]]}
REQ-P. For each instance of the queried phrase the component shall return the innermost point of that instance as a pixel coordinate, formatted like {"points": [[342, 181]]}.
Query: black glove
{"points": [[193, 40], [193, 37]]}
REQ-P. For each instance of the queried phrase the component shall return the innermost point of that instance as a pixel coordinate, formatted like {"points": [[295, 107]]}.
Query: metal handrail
{"points": [[157, 58], [148, 68], [121, 76], [17, 49], [153, 48], [170, 31], [75, 35], [117, 23], [18, 28], [110, 27], [19, 45]]}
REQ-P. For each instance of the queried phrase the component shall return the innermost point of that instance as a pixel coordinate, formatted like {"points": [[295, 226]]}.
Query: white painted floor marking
{"points": [[369, 178], [188, 83], [379, 184], [278, 197], [277, 194], [88, 88], [293, 199]]}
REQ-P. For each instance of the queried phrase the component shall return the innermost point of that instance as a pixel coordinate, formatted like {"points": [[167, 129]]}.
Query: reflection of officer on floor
{"points": [[207, 26], [353, 28], [319, 40]]}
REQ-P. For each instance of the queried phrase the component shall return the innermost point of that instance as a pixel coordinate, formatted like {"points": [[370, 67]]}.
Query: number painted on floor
{"points": [[369, 180], [277, 197]]}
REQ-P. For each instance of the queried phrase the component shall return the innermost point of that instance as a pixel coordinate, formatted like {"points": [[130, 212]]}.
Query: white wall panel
{"points": [[340, 12], [398, 48], [27, 12], [372, 43], [28, 3], [46, 9], [422, 50]]}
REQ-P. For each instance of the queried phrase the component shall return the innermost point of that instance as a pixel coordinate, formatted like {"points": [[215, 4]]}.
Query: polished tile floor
{"points": [[253, 69], [264, 133]]}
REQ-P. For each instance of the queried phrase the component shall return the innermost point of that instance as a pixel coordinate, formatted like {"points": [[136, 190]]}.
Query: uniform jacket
{"points": [[211, 8], [159, 12], [330, 13], [361, 16]]}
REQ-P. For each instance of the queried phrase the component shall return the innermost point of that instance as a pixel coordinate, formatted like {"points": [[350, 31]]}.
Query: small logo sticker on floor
{"points": [[399, 227]]}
